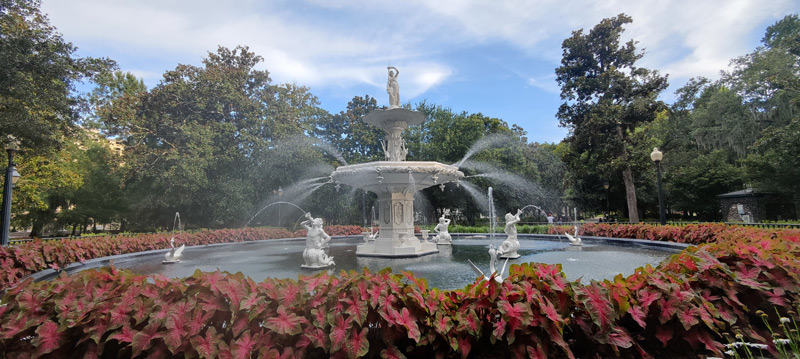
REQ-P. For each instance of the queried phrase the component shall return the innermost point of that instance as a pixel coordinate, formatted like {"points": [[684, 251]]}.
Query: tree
{"points": [[110, 88], [694, 186], [100, 198], [50, 177], [205, 141], [38, 73], [774, 165], [355, 140], [606, 96]]}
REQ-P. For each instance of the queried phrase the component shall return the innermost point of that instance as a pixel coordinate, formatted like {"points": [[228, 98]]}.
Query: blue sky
{"points": [[496, 57]]}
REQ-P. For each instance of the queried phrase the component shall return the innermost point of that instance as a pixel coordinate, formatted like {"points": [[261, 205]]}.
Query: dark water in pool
{"points": [[448, 269]]}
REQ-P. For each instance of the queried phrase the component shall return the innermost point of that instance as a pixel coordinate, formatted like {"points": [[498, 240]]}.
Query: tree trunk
{"points": [[627, 179], [36, 229], [630, 194]]}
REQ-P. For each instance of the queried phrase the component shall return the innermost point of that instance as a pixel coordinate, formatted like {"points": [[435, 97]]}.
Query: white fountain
{"points": [[174, 255], [395, 181]]}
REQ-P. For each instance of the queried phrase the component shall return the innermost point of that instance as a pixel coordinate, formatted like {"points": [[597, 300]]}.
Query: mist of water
{"points": [[177, 220], [477, 195], [493, 140]]}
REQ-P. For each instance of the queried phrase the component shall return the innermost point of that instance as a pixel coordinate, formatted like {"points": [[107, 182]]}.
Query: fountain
{"points": [[395, 181], [174, 255]]}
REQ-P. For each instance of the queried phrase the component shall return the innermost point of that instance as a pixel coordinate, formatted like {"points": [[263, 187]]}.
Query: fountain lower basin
{"points": [[597, 259]]}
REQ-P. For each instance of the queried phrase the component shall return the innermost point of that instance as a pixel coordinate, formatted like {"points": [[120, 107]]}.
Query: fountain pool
{"points": [[597, 259]]}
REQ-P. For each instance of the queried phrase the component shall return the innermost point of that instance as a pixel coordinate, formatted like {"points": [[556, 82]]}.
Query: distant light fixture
{"points": [[656, 155], [15, 176]]}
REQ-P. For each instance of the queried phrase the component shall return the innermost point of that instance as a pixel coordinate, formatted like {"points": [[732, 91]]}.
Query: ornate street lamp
{"points": [[12, 176], [657, 156], [605, 187], [280, 199]]}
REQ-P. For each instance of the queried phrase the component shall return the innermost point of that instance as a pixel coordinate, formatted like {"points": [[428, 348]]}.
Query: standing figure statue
{"points": [[509, 247], [393, 88], [442, 235], [316, 242]]}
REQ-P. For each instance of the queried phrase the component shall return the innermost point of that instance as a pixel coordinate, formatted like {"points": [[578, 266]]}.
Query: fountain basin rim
{"points": [[50, 273], [379, 117], [402, 167]]}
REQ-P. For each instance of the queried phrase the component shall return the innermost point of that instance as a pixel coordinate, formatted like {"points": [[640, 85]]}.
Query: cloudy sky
{"points": [[496, 57]]}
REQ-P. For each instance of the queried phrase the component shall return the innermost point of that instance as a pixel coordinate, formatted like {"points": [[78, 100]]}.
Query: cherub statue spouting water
{"points": [[509, 247]]}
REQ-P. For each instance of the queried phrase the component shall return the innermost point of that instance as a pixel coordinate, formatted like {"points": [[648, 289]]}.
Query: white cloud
{"points": [[348, 42], [546, 83]]}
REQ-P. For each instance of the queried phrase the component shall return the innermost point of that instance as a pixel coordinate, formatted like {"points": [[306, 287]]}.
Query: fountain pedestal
{"points": [[396, 239]]}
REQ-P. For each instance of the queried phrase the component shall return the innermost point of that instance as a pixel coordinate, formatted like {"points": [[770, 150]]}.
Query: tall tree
{"points": [[606, 96], [204, 141], [38, 73]]}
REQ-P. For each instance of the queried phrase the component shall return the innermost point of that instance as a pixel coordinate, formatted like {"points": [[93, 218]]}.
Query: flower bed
{"points": [[689, 234], [680, 309]]}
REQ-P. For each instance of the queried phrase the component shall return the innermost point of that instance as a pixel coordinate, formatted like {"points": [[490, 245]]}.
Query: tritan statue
{"points": [[442, 235], [509, 247], [393, 88], [316, 242]]}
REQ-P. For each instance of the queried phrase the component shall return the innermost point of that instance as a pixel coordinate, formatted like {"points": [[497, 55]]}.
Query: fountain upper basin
{"points": [[385, 177]]}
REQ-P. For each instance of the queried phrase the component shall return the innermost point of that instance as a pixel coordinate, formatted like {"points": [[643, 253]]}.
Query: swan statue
{"points": [[174, 254], [574, 240], [498, 277]]}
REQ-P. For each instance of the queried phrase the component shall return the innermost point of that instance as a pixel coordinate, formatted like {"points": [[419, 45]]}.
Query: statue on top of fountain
{"points": [[393, 88], [442, 235], [316, 242], [509, 247]]}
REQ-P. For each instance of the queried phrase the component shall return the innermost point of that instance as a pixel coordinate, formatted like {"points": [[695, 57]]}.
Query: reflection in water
{"points": [[447, 269]]}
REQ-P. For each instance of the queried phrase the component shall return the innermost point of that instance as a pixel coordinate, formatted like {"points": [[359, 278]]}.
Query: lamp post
{"points": [[12, 176], [280, 199], [657, 156], [605, 187]]}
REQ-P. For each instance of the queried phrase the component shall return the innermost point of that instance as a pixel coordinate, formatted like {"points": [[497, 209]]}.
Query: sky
{"points": [[496, 57]]}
